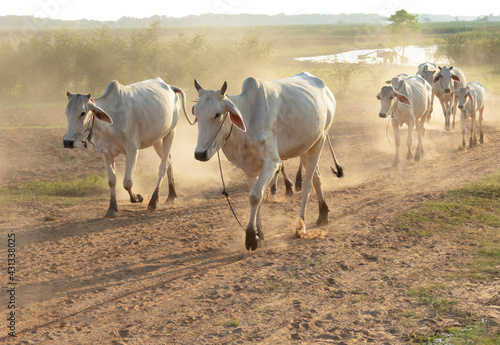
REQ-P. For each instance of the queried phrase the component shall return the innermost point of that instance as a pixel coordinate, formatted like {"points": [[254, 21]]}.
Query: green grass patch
{"points": [[233, 323], [90, 185], [430, 295], [480, 333], [468, 217]]}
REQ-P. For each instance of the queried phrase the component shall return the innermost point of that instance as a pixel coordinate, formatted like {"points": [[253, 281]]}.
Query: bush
{"points": [[476, 47]]}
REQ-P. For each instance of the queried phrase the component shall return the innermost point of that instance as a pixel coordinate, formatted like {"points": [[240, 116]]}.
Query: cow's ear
{"points": [[68, 94], [388, 81], [436, 78], [470, 98], [403, 99], [100, 114], [455, 77], [235, 115], [378, 96]]}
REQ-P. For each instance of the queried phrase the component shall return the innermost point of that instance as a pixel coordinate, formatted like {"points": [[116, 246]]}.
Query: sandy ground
{"points": [[181, 274]]}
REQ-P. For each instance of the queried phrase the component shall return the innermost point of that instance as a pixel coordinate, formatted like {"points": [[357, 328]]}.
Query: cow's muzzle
{"points": [[446, 90], [201, 156], [382, 115], [70, 144], [460, 106]]}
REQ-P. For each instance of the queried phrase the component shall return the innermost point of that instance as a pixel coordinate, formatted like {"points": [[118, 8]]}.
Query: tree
{"points": [[402, 27]]}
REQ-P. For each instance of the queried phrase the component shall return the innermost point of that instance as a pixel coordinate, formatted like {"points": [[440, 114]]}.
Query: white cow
{"points": [[426, 70], [406, 101], [470, 101], [448, 78], [124, 120], [273, 121]]}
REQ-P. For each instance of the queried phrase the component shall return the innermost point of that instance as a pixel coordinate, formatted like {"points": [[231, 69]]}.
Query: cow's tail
{"points": [[338, 171], [183, 96]]}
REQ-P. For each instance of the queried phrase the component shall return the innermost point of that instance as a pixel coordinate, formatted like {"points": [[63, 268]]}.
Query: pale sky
{"points": [[112, 10]]}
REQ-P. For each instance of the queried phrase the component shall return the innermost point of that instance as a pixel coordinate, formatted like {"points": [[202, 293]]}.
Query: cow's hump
{"points": [[112, 88]]}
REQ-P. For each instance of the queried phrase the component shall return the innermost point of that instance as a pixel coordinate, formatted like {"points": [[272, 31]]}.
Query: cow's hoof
{"points": [[251, 241], [323, 214], [417, 158], [110, 214], [409, 156], [152, 205], [171, 194], [300, 228], [137, 198]]}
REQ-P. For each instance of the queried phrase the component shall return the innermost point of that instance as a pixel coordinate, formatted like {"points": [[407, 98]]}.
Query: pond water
{"points": [[414, 56]]}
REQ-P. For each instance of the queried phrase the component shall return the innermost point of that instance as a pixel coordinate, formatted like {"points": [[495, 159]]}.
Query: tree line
{"points": [[50, 64]]}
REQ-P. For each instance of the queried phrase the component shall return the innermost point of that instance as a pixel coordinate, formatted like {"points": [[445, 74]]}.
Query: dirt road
{"points": [[181, 275]]}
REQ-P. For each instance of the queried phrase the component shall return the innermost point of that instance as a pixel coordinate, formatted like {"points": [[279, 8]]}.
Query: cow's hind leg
{"points": [[131, 160], [323, 207], [288, 182], [111, 172], [162, 148], [310, 162], [298, 178]]}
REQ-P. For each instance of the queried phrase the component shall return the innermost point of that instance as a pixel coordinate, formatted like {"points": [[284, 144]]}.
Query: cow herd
{"points": [[409, 100], [267, 123]]}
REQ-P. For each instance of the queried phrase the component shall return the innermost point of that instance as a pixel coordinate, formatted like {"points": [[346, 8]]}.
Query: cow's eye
{"points": [[83, 113], [217, 115], [391, 97]]}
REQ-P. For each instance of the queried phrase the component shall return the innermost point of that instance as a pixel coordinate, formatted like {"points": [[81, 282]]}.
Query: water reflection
{"points": [[413, 56]]}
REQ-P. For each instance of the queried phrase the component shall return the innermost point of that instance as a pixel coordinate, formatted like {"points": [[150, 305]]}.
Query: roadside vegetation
{"points": [[468, 219]]}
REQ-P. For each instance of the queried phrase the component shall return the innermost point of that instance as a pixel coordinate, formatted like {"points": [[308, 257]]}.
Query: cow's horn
{"points": [[224, 87], [197, 85]]}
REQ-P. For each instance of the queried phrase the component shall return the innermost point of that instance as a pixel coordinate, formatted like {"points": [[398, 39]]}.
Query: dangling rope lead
{"points": [[387, 127], [225, 193]]}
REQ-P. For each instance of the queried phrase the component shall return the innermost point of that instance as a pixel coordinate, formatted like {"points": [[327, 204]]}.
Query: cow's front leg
{"points": [[252, 238], [397, 141], [409, 138], [131, 159], [444, 106], [420, 133], [453, 108], [473, 140], [110, 170], [464, 128]]}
